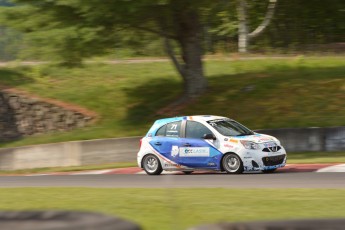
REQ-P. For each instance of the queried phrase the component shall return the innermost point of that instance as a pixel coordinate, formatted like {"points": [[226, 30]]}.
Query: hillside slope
{"points": [[263, 93]]}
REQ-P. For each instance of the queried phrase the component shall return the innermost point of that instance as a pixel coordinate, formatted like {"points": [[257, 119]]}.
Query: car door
{"points": [[195, 151], [167, 142]]}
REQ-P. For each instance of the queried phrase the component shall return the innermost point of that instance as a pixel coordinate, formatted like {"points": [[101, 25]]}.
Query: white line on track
{"points": [[335, 168], [38, 175], [93, 172], [163, 173]]}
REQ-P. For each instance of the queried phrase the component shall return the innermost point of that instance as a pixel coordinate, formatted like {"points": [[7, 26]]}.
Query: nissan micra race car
{"points": [[192, 143]]}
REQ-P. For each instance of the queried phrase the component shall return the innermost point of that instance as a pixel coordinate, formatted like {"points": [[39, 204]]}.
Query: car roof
{"points": [[194, 117], [200, 118]]}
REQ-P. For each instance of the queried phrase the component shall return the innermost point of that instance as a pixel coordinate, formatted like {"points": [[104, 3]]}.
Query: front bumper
{"points": [[258, 160]]}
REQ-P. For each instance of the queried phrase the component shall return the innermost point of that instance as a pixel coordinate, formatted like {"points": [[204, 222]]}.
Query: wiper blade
{"points": [[244, 134]]}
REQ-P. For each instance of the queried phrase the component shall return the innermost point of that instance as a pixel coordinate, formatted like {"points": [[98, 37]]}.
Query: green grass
{"points": [[316, 157], [291, 92], [182, 208]]}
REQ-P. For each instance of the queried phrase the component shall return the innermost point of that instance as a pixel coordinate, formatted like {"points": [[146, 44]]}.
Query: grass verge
{"points": [[182, 208], [316, 157], [265, 93]]}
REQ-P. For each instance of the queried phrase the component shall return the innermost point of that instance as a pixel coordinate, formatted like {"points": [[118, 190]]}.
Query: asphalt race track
{"points": [[275, 180]]}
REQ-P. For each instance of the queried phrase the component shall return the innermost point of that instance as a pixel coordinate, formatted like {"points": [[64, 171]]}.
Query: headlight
{"points": [[277, 141], [250, 145]]}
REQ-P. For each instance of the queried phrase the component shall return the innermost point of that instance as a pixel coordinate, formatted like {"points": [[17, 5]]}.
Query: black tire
{"points": [[187, 172], [269, 171], [232, 164], [152, 165]]}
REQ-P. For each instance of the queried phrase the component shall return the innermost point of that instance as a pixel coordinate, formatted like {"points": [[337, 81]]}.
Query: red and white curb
{"points": [[305, 167], [135, 170], [334, 168]]}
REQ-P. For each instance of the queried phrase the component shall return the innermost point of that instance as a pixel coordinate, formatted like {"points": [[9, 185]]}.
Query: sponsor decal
{"points": [[171, 165], [162, 157], [273, 167], [174, 151], [211, 164], [265, 139], [249, 168], [194, 152], [228, 146], [233, 141]]}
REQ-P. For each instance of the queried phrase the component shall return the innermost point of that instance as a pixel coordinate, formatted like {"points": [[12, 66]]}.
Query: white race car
{"points": [[192, 143]]}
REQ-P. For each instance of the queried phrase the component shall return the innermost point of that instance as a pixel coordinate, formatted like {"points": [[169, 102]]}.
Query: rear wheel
{"points": [[152, 165], [269, 170], [187, 172], [232, 163]]}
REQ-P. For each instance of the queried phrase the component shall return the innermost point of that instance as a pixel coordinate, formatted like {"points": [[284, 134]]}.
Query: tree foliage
{"points": [[71, 30], [76, 29], [296, 26]]}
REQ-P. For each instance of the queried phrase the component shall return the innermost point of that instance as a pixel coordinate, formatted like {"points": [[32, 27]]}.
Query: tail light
{"points": [[140, 142]]}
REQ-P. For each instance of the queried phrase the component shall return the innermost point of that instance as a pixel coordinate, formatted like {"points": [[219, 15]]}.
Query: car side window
{"points": [[170, 130], [161, 131], [196, 130]]}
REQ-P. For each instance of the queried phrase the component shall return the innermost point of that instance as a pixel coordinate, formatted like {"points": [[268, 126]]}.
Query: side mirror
{"points": [[210, 136]]}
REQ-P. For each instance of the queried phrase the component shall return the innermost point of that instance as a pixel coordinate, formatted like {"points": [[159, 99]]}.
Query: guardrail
{"points": [[74, 153], [310, 139], [77, 153]]}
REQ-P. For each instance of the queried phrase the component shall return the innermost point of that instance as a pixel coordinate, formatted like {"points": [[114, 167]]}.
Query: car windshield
{"points": [[229, 127]]}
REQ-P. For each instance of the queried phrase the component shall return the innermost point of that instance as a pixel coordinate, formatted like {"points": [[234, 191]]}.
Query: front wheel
{"points": [[232, 163], [152, 165]]}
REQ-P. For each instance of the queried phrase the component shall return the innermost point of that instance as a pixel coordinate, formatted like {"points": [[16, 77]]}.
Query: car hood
{"points": [[257, 138]]}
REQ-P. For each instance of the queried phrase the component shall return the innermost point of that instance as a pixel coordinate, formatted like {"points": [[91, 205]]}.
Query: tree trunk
{"points": [[194, 81], [189, 37], [269, 15], [243, 35], [242, 26], [189, 65]]}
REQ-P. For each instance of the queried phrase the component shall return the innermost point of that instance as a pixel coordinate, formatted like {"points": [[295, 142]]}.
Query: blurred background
{"points": [[268, 64], [295, 27], [74, 70]]}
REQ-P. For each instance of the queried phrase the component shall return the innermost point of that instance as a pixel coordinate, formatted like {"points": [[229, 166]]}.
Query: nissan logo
{"points": [[273, 149]]}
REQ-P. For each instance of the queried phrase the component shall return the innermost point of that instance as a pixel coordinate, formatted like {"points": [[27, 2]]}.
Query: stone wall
{"points": [[22, 114], [8, 129]]}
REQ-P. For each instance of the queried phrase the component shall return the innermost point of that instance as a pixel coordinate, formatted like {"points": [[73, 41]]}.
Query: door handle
{"points": [[187, 145], [158, 143]]}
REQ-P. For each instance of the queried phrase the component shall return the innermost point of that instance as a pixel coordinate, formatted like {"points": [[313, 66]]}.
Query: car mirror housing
{"points": [[210, 136]]}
